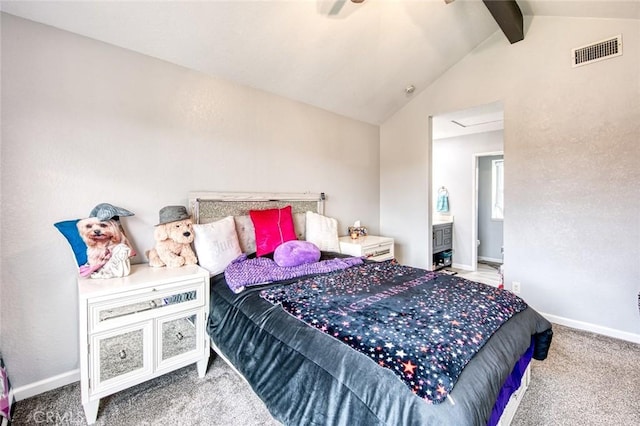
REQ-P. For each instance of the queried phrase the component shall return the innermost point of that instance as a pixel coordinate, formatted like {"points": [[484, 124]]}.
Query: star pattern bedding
{"points": [[305, 376], [423, 326]]}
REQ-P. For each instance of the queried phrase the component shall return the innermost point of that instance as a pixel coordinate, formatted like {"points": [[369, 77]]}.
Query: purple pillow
{"points": [[295, 253]]}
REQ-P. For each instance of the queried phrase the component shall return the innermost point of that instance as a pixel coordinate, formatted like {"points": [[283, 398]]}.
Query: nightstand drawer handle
{"points": [[179, 336], [378, 253], [153, 304], [122, 354]]}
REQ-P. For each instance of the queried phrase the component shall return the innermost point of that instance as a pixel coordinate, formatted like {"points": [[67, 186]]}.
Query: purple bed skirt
{"points": [[510, 386]]}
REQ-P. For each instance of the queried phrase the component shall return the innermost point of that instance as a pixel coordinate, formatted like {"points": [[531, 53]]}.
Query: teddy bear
{"points": [[173, 235]]}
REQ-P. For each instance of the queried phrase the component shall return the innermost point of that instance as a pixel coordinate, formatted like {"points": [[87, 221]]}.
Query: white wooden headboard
{"points": [[206, 207]]}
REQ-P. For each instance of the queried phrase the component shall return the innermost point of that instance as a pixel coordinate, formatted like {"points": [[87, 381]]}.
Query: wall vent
{"points": [[597, 51]]}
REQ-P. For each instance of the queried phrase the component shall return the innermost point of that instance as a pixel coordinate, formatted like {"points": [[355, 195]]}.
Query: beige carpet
{"points": [[178, 398], [586, 380]]}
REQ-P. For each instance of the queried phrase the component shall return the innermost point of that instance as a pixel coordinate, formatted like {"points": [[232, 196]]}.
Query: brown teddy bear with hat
{"points": [[174, 235]]}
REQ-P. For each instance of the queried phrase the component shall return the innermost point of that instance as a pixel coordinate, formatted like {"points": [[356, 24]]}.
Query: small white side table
{"points": [[371, 246], [138, 327]]}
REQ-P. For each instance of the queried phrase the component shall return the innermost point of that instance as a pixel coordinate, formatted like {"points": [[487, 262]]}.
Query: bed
{"points": [[291, 344]]}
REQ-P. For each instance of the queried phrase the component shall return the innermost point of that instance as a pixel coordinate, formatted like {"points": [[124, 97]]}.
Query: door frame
{"points": [[474, 204]]}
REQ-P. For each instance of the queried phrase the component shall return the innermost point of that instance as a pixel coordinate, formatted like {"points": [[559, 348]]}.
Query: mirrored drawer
{"points": [[378, 252], [177, 337], [151, 303], [121, 354]]}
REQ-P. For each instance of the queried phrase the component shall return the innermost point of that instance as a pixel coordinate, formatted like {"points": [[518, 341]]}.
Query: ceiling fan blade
{"points": [[337, 7]]}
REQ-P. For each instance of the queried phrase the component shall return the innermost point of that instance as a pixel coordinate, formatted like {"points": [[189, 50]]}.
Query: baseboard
{"points": [[594, 328], [490, 259], [462, 267], [36, 388]]}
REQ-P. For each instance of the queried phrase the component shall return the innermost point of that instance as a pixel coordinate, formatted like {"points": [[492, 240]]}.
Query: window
{"points": [[497, 189]]}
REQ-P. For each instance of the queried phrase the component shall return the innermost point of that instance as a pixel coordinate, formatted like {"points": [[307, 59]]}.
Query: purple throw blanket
{"points": [[243, 272]]}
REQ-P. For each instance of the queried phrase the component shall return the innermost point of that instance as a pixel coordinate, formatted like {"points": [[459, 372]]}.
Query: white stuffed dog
{"points": [[174, 235]]}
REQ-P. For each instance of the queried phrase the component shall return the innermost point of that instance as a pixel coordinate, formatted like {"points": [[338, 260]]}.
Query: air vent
{"points": [[598, 51]]}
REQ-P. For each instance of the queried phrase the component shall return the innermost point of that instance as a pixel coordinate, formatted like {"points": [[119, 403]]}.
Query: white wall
{"points": [[454, 167], [84, 122], [572, 148]]}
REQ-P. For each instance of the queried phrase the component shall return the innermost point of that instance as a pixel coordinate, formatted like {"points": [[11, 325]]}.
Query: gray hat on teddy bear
{"points": [[170, 214]]}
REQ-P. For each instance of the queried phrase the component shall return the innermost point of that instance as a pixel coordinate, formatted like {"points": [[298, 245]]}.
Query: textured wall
{"points": [[571, 136], [84, 122]]}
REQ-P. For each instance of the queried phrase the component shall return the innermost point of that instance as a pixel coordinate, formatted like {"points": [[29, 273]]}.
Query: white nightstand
{"points": [[141, 326], [371, 246]]}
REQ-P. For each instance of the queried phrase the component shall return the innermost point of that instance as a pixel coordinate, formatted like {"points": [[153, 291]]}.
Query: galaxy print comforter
{"points": [[305, 375], [423, 326]]}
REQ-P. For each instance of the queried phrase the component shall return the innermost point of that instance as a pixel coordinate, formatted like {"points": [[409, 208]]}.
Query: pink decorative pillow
{"points": [[273, 227]]}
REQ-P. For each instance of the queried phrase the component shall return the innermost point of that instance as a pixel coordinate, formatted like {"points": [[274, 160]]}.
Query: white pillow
{"points": [[216, 244], [322, 231]]}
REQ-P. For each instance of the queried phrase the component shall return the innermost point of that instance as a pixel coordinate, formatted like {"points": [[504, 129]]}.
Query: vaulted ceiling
{"points": [[352, 59]]}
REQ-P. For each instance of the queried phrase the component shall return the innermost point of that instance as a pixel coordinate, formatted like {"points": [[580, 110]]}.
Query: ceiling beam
{"points": [[508, 16]]}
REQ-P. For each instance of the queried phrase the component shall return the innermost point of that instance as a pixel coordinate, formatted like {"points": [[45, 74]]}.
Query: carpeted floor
{"points": [[586, 380], [177, 398]]}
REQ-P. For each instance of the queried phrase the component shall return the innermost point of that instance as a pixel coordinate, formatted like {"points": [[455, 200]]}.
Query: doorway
{"points": [[487, 252], [459, 139]]}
